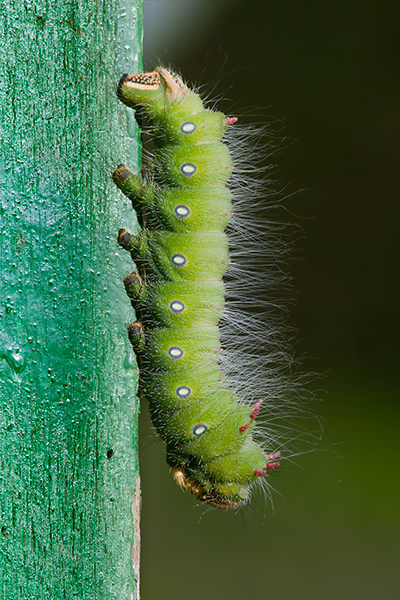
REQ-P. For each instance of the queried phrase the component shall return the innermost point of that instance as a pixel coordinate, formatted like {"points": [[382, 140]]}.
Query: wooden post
{"points": [[69, 486]]}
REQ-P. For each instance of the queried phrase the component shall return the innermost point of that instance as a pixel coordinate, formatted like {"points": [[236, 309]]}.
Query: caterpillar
{"points": [[188, 292]]}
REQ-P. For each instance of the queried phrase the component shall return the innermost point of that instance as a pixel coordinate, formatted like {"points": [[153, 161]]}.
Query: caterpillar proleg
{"points": [[193, 288]]}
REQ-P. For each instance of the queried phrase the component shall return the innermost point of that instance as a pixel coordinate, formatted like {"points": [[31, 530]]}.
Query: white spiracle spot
{"points": [[188, 127], [188, 169], [182, 211], [179, 260], [183, 391], [199, 429], [176, 306], [175, 352]]}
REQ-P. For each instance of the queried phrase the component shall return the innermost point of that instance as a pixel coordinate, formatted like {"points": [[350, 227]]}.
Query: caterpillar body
{"points": [[206, 417]]}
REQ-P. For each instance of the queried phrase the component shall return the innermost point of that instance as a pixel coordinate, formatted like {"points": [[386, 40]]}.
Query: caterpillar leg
{"points": [[136, 336], [135, 288], [127, 240], [131, 185], [213, 498]]}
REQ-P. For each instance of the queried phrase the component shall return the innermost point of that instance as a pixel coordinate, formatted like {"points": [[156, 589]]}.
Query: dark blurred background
{"points": [[327, 73]]}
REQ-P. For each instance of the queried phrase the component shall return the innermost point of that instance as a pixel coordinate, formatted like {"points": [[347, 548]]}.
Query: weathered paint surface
{"points": [[68, 415]]}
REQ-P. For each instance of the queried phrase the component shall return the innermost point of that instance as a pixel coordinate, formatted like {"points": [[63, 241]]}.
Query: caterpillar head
{"points": [[155, 91], [177, 114]]}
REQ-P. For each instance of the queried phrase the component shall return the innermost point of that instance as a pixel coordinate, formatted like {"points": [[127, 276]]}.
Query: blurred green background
{"points": [[327, 71]]}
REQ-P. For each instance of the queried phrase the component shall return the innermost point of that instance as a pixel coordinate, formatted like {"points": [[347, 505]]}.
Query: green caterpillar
{"points": [[182, 258]]}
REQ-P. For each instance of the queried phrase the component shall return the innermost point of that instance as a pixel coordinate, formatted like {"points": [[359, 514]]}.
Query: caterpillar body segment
{"points": [[182, 255], [199, 304], [167, 208]]}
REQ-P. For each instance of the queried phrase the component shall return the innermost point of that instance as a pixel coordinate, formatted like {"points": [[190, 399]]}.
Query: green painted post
{"points": [[69, 486]]}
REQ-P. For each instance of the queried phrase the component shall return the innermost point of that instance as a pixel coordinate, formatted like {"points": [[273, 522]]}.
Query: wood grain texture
{"points": [[68, 414]]}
